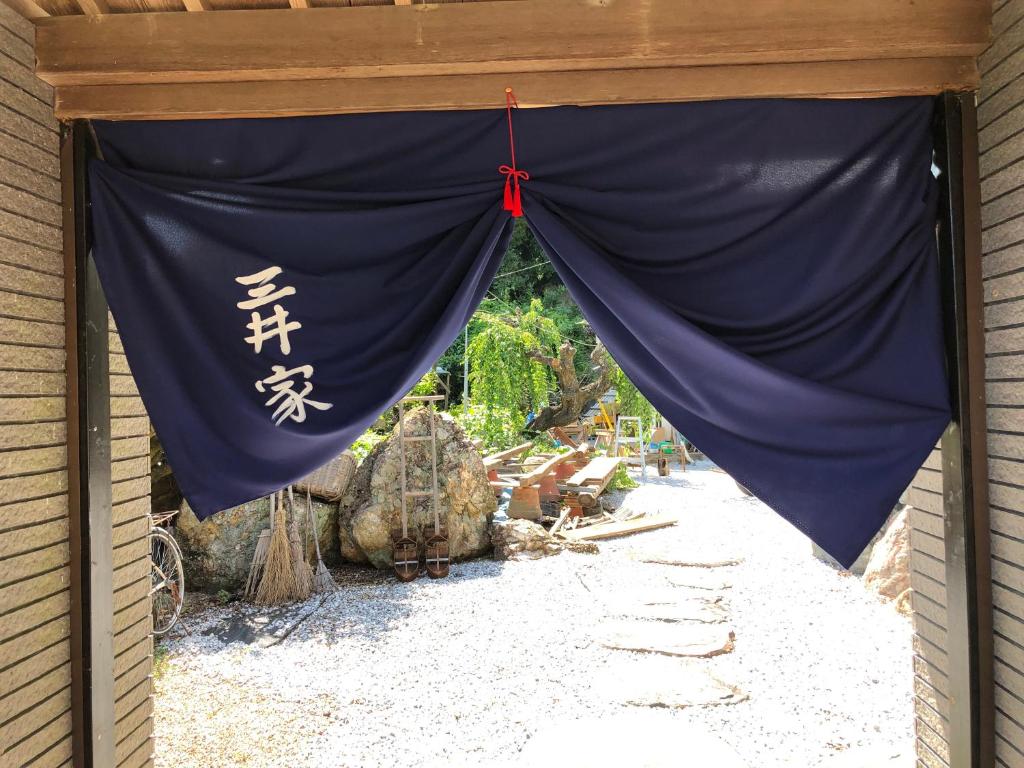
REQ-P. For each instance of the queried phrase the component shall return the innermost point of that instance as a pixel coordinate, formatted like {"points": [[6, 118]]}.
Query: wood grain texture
{"points": [[279, 98], [481, 38]]}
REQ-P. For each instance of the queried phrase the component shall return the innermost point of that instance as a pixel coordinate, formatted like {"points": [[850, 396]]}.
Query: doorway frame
{"points": [[971, 732]]}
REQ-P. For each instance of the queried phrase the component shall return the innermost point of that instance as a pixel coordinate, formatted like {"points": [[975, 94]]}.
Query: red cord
{"points": [[513, 200]]}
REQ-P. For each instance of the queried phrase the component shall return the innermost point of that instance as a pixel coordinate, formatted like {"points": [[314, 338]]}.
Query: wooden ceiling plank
{"points": [[93, 7], [27, 8], [477, 38], [196, 6], [855, 79]]}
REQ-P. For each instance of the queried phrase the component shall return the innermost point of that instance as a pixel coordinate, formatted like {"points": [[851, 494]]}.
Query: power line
{"points": [[514, 271]]}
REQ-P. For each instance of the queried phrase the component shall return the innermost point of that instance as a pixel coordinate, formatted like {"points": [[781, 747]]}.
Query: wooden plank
{"points": [[595, 472], [494, 459], [27, 8], [540, 471], [613, 530], [197, 5], [280, 98], [472, 38]]}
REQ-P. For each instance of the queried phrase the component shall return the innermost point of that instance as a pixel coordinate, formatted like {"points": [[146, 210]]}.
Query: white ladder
{"points": [[636, 438]]}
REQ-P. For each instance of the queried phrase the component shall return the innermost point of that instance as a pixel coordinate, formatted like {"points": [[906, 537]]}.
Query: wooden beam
{"points": [[313, 97], [93, 7], [26, 8], [298, 3], [90, 525], [478, 39], [197, 5], [969, 650]]}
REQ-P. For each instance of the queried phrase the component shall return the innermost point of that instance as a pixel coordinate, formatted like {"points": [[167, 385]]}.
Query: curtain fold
{"points": [[764, 271]]}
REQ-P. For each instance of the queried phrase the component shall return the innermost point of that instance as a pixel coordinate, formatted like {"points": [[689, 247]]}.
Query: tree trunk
{"points": [[572, 398]]}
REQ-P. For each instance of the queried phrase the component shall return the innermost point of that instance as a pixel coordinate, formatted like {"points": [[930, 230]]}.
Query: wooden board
{"points": [[612, 530], [483, 38], [596, 472], [496, 459], [463, 55], [535, 474]]}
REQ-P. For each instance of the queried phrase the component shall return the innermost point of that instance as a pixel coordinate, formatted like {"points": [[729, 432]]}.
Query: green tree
{"points": [[631, 401]]}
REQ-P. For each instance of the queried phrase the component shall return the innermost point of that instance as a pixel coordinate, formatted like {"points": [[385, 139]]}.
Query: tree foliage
{"points": [[632, 402], [505, 383]]}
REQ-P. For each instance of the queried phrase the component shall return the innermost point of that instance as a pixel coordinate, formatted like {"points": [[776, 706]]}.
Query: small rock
{"points": [[888, 569], [522, 540]]}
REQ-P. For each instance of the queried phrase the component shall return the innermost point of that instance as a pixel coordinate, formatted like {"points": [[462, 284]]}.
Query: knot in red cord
{"points": [[513, 199]]}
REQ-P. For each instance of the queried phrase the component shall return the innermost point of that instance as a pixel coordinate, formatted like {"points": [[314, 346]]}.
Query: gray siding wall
{"points": [[1001, 140], [35, 676]]}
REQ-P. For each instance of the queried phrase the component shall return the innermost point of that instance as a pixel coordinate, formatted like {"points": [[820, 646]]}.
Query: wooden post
{"points": [[964, 448], [89, 488]]}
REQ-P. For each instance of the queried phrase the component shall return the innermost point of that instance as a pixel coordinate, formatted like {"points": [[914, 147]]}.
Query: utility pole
{"points": [[465, 366]]}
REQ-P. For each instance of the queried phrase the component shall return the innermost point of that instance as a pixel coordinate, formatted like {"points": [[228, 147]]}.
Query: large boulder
{"points": [[217, 552], [888, 569], [371, 507]]}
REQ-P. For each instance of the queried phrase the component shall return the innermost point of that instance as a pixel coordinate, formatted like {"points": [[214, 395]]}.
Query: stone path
{"points": [[687, 620], [503, 665]]}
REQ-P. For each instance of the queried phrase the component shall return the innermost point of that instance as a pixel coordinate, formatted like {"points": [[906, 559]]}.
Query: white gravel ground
{"points": [[464, 671]]}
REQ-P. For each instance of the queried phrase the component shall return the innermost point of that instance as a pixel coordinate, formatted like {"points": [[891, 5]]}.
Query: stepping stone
{"points": [[707, 611], [694, 560], [638, 739], [689, 639], [669, 683], [697, 579], [868, 757]]}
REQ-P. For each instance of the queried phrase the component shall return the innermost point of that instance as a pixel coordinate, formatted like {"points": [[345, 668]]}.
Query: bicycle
{"points": [[167, 589]]}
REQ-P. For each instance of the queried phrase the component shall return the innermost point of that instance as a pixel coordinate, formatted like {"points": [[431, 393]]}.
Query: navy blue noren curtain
{"points": [[764, 270]]}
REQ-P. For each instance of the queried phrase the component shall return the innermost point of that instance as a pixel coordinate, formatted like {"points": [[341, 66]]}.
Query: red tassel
{"points": [[508, 188], [513, 201]]}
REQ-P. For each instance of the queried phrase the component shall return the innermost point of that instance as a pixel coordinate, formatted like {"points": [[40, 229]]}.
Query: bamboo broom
{"points": [[278, 583], [322, 579], [259, 557]]}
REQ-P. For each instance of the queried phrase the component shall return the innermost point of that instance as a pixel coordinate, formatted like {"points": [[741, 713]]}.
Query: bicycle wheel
{"points": [[168, 580]]}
